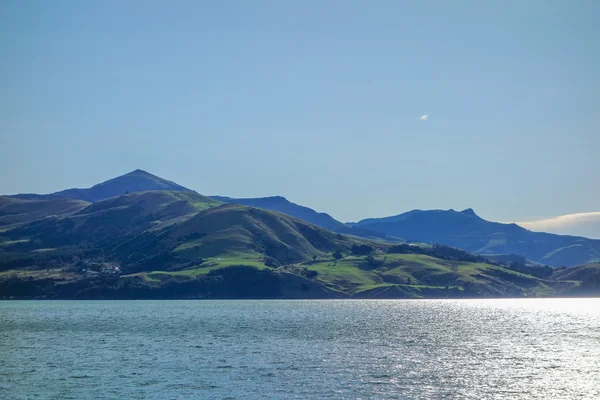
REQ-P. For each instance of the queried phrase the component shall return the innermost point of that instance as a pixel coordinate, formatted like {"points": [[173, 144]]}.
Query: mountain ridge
{"points": [[180, 244], [282, 204], [462, 229], [467, 231], [324, 220]]}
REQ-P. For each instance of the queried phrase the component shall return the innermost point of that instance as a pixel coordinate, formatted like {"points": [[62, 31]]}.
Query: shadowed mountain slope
{"points": [[113, 219], [467, 231], [18, 211]]}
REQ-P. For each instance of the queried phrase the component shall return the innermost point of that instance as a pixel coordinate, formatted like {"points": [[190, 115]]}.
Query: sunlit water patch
{"points": [[397, 349]]}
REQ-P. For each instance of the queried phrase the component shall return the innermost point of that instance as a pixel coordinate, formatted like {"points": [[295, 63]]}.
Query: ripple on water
{"points": [[480, 349]]}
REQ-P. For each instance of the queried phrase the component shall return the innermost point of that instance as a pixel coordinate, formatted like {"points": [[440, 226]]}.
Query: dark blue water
{"points": [[415, 349]]}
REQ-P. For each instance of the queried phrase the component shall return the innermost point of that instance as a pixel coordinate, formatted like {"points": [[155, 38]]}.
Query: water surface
{"points": [[347, 349]]}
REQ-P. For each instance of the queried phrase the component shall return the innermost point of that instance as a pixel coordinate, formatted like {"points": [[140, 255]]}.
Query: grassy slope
{"points": [[399, 275], [190, 235], [157, 228], [352, 275], [163, 204], [200, 269], [232, 230], [580, 273], [112, 218], [18, 211]]}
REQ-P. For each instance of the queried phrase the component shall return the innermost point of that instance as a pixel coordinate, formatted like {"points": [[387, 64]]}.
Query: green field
{"points": [[152, 240], [353, 274], [201, 269], [412, 275]]}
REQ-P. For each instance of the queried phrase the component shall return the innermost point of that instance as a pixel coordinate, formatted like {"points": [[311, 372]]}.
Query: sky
{"points": [[355, 108]]}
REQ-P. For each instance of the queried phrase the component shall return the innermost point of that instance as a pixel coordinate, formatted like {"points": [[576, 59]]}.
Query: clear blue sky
{"points": [[318, 101]]}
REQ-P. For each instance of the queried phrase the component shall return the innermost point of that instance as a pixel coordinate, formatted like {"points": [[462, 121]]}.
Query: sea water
{"points": [[347, 349]]}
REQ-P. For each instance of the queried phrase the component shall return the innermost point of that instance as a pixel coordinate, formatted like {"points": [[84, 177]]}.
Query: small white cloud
{"points": [[582, 224], [424, 117]]}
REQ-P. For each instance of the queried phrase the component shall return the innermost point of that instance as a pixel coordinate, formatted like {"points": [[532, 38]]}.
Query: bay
{"points": [[346, 349]]}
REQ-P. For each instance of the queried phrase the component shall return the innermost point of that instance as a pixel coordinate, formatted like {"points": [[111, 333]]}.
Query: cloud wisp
{"points": [[581, 224], [424, 117]]}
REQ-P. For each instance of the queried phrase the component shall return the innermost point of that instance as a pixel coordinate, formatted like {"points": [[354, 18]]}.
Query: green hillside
{"points": [[240, 229], [381, 276], [17, 211], [323, 220], [161, 230], [157, 205], [586, 278], [173, 244]]}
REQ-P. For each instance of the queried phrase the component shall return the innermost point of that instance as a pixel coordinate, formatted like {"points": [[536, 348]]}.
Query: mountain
{"points": [[180, 227], [120, 240], [183, 234], [180, 244], [134, 181], [467, 231], [323, 220], [139, 180]]}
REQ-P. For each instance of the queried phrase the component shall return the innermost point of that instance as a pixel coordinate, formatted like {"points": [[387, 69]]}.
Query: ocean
{"points": [[335, 349]]}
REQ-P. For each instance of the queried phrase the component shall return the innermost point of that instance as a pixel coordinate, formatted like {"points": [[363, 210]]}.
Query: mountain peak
{"points": [[134, 181], [469, 211], [276, 198], [139, 171]]}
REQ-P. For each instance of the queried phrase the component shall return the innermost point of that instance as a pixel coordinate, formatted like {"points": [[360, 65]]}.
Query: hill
{"points": [[173, 244], [323, 220], [467, 231], [586, 278], [110, 220], [151, 229], [283, 205], [135, 181], [242, 229], [177, 236], [586, 272], [18, 211], [120, 240]]}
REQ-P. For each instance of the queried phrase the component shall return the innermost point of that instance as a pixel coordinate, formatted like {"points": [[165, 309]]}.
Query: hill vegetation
{"points": [[17, 211], [165, 244], [283, 205], [180, 244]]}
